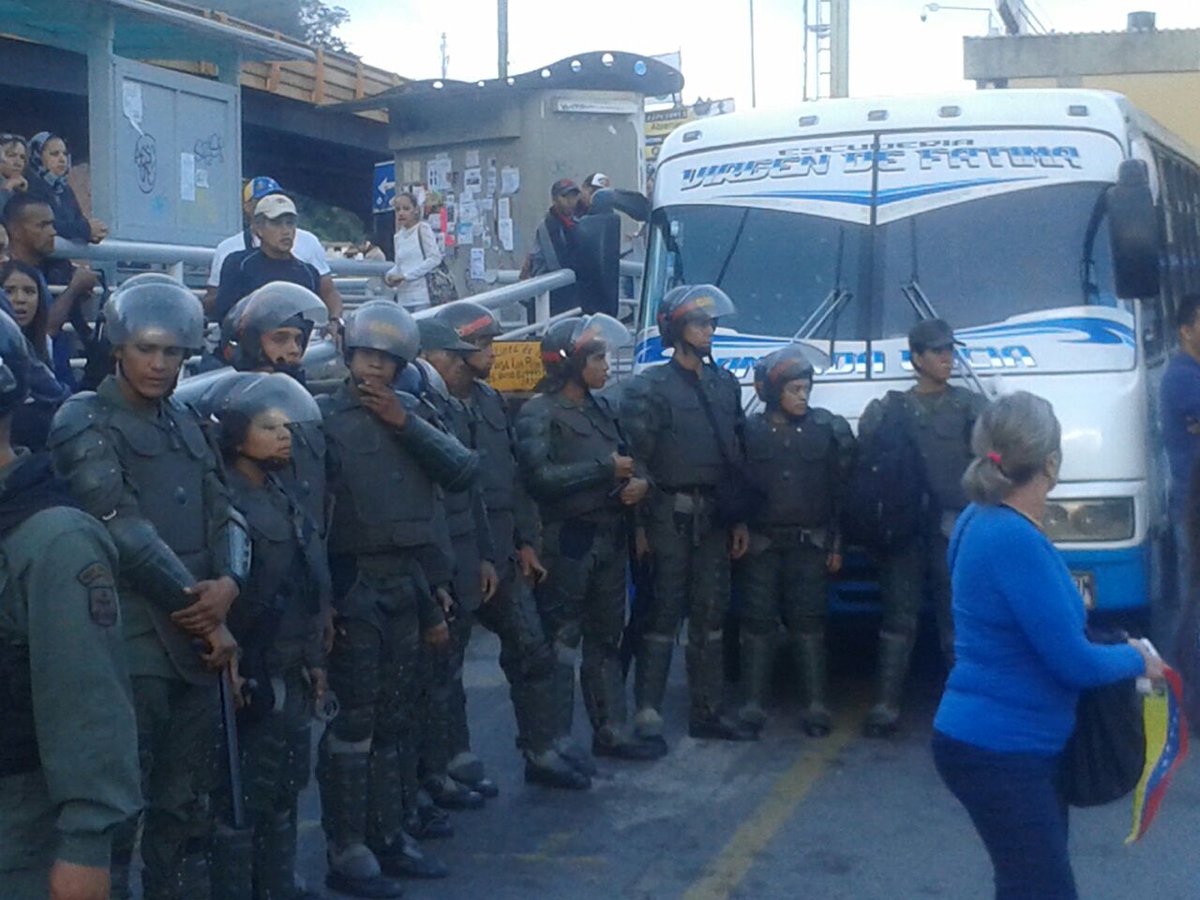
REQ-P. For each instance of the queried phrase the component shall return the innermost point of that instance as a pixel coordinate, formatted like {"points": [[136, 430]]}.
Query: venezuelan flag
{"points": [[1166, 748]]}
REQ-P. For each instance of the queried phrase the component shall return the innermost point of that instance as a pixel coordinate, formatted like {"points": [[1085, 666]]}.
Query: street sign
{"points": [[384, 191]]}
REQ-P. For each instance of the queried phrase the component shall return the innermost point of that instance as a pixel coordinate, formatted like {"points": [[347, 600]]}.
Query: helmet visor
{"points": [[600, 330], [701, 304], [254, 393]]}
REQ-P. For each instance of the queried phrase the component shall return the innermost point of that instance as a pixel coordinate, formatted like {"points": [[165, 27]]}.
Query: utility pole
{"points": [[445, 57], [502, 27], [753, 86]]}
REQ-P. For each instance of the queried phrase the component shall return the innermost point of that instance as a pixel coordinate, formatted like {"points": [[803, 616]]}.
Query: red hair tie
{"points": [[994, 457]]}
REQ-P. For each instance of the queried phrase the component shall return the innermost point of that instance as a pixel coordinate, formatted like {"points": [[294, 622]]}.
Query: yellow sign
{"points": [[518, 366]]}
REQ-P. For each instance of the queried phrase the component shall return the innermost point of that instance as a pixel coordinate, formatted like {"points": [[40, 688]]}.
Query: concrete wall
{"points": [[547, 135], [1159, 71]]}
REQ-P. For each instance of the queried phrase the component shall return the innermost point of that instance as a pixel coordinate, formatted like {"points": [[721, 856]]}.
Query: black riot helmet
{"points": [[568, 342], [386, 326], [14, 366], [146, 278], [773, 371], [279, 304], [689, 302], [233, 402], [167, 313], [472, 322]]}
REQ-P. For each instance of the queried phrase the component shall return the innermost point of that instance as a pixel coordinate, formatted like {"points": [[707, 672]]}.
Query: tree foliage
{"points": [[311, 21]]}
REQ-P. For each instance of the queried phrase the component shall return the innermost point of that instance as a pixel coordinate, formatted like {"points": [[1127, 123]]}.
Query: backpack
{"points": [[886, 502]]}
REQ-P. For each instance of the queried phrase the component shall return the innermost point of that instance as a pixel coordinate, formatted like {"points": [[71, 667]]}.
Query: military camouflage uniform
{"points": [[60, 631], [566, 453], [155, 482], [805, 463], [525, 654], [445, 733], [385, 489], [669, 431], [941, 425], [277, 622]]}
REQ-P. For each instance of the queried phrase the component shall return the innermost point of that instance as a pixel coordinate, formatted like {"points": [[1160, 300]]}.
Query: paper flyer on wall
{"points": [[510, 180], [478, 265]]}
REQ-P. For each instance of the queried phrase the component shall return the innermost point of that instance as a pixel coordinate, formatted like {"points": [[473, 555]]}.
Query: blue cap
{"points": [[260, 186]]}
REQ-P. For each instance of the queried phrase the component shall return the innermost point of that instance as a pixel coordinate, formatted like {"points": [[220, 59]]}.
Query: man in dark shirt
{"points": [[247, 270], [1179, 408], [31, 233], [555, 244]]}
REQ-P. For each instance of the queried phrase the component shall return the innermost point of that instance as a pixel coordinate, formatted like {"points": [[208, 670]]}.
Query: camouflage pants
{"points": [[367, 764], [690, 557], [177, 740], [583, 601], [905, 577], [786, 582]]}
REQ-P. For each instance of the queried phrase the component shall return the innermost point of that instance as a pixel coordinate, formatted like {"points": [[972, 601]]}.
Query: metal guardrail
{"points": [[356, 273]]}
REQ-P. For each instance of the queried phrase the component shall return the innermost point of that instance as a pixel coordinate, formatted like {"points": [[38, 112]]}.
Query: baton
{"points": [[229, 724]]}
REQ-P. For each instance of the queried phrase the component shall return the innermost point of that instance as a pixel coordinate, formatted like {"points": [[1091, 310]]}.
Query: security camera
{"points": [[924, 16]]}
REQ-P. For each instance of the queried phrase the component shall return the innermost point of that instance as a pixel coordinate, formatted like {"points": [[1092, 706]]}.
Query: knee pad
{"points": [[352, 726]]}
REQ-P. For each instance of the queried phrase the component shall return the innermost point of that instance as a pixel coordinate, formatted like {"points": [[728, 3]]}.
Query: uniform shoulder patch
{"points": [[102, 593]]}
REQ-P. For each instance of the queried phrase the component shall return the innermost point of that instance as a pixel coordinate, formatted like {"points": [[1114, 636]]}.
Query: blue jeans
{"points": [[1016, 807]]}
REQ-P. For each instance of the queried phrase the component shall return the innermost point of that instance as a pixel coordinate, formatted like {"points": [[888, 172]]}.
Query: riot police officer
{"points": [[140, 462], [387, 465], [446, 733], [804, 454], [278, 622], [526, 656], [684, 419], [938, 417], [576, 464], [60, 629]]}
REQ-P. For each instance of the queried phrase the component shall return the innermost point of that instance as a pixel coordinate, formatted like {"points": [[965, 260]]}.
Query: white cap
{"points": [[599, 180], [275, 205]]}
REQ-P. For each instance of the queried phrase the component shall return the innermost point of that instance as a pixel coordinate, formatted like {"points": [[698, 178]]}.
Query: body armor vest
{"points": [[305, 478], [796, 464], [167, 458], [686, 453], [382, 499], [493, 440], [942, 431], [581, 434], [460, 507]]}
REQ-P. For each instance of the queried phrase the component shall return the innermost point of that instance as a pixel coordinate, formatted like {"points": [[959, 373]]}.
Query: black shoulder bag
{"points": [[1104, 758], [738, 497]]}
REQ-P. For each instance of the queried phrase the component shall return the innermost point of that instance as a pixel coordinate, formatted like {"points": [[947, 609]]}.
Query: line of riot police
{"points": [[326, 559]]}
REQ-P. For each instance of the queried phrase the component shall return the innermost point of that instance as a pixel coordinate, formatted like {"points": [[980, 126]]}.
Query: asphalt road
{"points": [[840, 818]]}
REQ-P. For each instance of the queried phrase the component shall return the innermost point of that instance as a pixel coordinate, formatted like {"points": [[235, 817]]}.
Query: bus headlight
{"points": [[1108, 519]]}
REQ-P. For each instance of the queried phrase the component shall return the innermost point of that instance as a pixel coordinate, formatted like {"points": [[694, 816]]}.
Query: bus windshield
{"points": [[979, 263]]}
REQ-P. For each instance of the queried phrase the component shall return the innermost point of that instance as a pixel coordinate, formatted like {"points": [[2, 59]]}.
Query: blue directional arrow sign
{"points": [[385, 186]]}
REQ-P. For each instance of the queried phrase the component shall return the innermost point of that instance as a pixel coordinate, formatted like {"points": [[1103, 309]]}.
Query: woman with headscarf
{"points": [[49, 168]]}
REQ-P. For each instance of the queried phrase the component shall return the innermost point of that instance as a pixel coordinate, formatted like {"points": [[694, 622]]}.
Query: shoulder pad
{"points": [[76, 415], [821, 416], [413, 403], [326, 404], [605, 405], [654, 373]]}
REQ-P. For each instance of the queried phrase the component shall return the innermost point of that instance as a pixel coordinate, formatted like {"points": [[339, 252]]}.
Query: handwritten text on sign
{"points": [[518, 366]]}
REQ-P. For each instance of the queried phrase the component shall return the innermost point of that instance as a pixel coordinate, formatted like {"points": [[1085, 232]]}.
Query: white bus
{"points": [[842, 221]]}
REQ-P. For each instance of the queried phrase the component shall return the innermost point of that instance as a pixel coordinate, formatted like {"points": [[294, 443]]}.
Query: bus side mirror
{"points": [[1133, 232]]}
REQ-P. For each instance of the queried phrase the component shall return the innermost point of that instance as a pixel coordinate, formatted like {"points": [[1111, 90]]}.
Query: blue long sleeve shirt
{"points": [[1021, 654]]}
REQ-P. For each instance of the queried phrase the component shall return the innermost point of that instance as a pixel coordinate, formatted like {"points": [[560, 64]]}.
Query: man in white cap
{"points": [[594, 182], [307, 247], [274, 225]]}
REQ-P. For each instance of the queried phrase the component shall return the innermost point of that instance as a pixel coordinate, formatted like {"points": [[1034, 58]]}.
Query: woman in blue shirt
{"points": [[1022, 656]]}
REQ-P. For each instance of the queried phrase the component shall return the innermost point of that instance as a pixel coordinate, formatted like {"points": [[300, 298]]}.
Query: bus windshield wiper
{"points": [[924, 309]]}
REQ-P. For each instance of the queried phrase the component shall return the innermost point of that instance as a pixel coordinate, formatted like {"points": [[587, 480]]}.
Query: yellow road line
{"points": [[729, 867]]}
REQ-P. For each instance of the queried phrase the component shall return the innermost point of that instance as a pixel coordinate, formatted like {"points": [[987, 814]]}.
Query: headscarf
{"points": [[58, 183]]}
